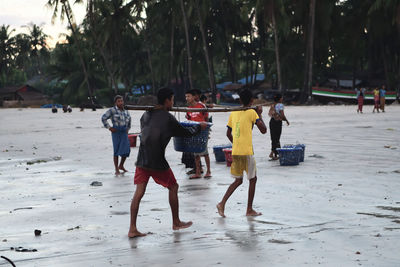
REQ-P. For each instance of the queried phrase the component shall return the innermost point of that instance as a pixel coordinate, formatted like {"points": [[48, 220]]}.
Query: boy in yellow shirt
{"points": [[239, 132]]}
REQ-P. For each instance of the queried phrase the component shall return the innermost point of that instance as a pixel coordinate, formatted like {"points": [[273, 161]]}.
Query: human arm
{"points": [[129, 122], [104, 119], [229, 133], [282, 113], [259, 122]]}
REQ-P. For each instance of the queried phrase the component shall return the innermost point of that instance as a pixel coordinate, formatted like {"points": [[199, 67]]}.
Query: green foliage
{"points": [[143, 42]]}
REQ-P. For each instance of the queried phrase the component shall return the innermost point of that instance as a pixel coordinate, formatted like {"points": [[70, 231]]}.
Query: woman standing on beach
{"points": [[360, 98], [275, 124]]}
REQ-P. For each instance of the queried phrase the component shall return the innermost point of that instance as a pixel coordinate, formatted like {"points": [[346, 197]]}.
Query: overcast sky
{"points": [[18, 13]]}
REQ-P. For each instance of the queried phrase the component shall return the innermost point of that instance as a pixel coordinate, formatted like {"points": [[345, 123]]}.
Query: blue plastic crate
{"points": [[289, 156], [193, 144], [303, 148], [219, 154]]}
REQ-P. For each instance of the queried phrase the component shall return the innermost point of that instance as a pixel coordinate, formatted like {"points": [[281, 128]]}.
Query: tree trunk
{"points": [[276, 43], [171, 53], [77, 41], [189, 57], [153, 83], [307, 90], [210, 70]]}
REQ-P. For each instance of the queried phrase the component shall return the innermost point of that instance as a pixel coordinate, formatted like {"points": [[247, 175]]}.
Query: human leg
{"points": [[228, 193], [116, 165], [121, 165], [252, 189], [207, 160], [174, 204], [137, 197], [198, 170]]}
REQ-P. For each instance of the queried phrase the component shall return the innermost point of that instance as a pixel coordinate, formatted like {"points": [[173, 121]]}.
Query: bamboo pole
{"points": [[186, 109]]}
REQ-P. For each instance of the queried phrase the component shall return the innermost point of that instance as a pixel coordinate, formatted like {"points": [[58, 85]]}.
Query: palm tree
{"points": [[67, 11], [6, 49], [37, 41], [189, 56], [206, 53], [309, 53]]}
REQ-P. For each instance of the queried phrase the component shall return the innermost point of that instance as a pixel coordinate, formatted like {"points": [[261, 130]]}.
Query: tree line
{"points": [[196, 44]]}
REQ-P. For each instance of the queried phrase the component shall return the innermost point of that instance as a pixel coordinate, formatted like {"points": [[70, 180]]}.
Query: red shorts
{"points": [[165, 178]]}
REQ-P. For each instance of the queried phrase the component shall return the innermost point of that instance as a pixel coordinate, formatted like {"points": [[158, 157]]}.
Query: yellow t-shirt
{"points": [[241, 123]]}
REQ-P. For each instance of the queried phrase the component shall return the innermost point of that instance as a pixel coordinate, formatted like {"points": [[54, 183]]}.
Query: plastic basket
{"points": [[219, 154], [303, 148], [228, 156], [193, 144], [132, 139], [289, 156]]}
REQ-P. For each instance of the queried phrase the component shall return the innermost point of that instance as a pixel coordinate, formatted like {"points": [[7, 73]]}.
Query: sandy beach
{"points": [[340, 207]]}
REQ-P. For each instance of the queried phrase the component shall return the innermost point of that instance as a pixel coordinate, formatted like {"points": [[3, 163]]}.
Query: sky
{"points": [[18, 13]]}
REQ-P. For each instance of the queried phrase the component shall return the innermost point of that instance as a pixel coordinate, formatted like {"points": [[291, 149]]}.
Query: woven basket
{"points": [[303, 148], [193, 144], [219, 154], [289, 156]]}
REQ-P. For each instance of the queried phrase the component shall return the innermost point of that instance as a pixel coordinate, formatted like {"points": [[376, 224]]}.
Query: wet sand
{"points": [[341, 207]]}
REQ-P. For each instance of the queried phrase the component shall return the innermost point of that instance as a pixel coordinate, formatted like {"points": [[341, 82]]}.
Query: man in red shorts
{"points": [[157, 127]]}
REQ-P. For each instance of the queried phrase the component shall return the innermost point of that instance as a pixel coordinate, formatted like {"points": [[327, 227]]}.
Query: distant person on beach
{"points": [[157, 127], [239, 132], [277, 114], [376, 100], [360, 99], [199, 117], [121, 121], [382, 95], [54, 109], [69, 109], [64, 108]]}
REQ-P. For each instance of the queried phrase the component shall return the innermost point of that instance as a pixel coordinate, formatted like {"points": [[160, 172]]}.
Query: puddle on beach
{"points": [[277, 241], [396, 209], [119, 213], [364, 127], [194, 187], [378, 215]]}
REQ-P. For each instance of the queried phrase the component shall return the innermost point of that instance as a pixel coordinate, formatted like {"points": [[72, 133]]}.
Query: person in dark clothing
{"points": [[275, 124], [157, 128]]}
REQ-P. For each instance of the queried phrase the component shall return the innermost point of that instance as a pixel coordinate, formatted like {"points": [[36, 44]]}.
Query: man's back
{"points": [[241, 123]]}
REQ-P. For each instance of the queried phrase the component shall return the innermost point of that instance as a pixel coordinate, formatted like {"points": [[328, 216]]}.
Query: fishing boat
{"points": [[328, 94]]}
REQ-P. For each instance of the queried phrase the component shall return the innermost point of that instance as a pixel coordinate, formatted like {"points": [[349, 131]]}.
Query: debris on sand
{"points": [[96, 183], [37, 232], [316, 156], [21, 249], [31, 162], [73, 228], [25, 208]]}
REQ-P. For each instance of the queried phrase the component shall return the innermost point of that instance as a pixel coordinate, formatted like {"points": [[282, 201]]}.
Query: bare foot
{"points": [[123, 169], [207, 175], [221, 210], [181, 225], [117, 172], [136, 233], [253, 213], [194, 176]]}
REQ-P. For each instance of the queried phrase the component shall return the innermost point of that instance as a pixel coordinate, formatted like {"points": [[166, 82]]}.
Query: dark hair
{"points": [[203, 98], [277, 97], [190, 92], [117, 97], [245, 96], [163, 94], [196, 92]]}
